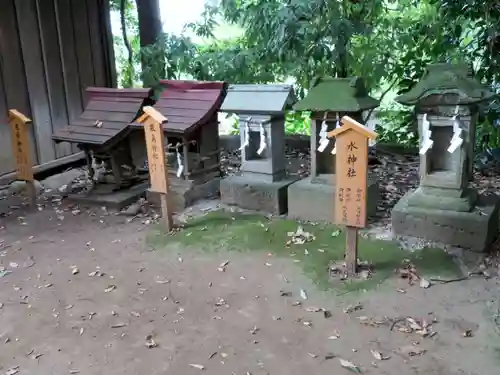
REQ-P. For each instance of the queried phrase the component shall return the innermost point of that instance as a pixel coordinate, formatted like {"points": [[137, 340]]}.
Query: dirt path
{"points": [[55, 320]]}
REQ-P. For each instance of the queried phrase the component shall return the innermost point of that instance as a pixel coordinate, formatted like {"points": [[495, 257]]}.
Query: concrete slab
{"points": [[313, 201], [114, 200], [251, 194], [475, 230]]}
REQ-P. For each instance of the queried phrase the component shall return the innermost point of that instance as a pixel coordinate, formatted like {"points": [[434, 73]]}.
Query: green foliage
{"points": [[295, 123], [388, 42], [396, 127]]}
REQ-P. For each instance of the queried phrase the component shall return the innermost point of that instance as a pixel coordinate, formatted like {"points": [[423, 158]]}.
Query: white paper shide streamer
{"points": [[456, 139], [323, 135], [337, 125], [246, 134], [427, 142], [263, 144], [180, 165]]}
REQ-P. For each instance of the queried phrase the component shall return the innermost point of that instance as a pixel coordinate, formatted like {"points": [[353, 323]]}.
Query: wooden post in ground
{"points": [[19, 129], [155, 143], [351, 184]]}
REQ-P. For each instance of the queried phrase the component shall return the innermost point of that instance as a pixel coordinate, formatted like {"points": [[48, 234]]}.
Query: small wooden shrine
{"points": [[329, 99], [444, 208], [102, 131], [192, 137], [262, 184]]}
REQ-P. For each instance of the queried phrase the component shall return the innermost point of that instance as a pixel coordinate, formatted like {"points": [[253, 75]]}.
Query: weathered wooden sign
{"points": [[19, 129], [351, 167], [153, 121], [19, 124]]}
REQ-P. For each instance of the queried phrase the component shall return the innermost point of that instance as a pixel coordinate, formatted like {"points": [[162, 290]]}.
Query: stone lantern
{"points": [[328, 100], [444, 208]]}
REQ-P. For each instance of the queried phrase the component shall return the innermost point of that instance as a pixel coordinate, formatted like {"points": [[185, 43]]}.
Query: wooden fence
{"points": [[50, 51]]}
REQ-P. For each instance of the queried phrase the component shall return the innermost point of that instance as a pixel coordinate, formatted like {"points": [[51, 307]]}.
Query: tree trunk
{"points": [[150, 29]]}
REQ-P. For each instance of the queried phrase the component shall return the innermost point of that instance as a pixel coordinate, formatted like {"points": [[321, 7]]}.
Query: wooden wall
{"points": [[50, 51]]}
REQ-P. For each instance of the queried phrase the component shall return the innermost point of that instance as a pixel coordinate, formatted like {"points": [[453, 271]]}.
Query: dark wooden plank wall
{"points": [[50, 51]]}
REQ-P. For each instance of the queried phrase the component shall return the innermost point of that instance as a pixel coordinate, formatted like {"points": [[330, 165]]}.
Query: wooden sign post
{"points": [[155, 143], [352, 175], [19, 129]]}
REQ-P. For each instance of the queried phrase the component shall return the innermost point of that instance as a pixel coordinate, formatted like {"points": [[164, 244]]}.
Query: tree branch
{"points": [[386, 91]]}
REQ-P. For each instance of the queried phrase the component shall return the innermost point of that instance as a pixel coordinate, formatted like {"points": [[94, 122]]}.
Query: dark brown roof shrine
{"points": [[189, 104], [106, 117]]}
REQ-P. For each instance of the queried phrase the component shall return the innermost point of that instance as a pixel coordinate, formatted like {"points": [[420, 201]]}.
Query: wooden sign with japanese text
{"points": [[351, 172], [20, 124], [153, 121], [155, 145]]}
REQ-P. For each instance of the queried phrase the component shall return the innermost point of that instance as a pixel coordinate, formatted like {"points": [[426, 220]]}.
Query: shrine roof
{"points": [[329, 94], [257, 99], [189, 104], [106, 117], [448, 79], [351, 124]]}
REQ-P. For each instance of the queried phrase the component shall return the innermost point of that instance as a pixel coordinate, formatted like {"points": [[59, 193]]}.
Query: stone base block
{"points": [[475, 230], [250, 194], [114, 200], [184, 193], [315, 201]]}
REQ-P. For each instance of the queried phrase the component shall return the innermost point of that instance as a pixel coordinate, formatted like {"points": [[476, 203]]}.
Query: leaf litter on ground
{"points": [[349, 366], [300, 237]]}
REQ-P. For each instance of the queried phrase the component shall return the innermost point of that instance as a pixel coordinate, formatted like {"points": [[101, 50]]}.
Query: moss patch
{"points": [[226, 231]]}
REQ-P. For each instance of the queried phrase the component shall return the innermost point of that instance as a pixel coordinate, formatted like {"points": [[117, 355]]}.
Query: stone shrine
{"points": [[263, 182], [444, 208], [329, 99]]}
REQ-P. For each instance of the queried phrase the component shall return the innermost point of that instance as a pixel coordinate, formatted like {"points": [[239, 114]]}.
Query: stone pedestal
{"points": [[312, 199], [250, 193], [474, 230], [102, 196], [184, 193]]}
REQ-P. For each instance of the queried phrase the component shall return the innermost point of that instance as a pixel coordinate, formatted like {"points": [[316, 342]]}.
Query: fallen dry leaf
{"points": [[300, 237], [411, 350], [222, 266], [303, 294], [150, 343], [349, 365], [467, 333], [335, 336], [199, 367], [212, 355], [110, 288], [12, 371], [313, 309], [75, 270], [378, 355], [351, 308], [424, 283]]}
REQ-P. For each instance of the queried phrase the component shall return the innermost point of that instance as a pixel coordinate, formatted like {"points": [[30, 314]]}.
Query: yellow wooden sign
{"points": [[351, 172], [20, 124], [155, 144], [158, 174]]}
